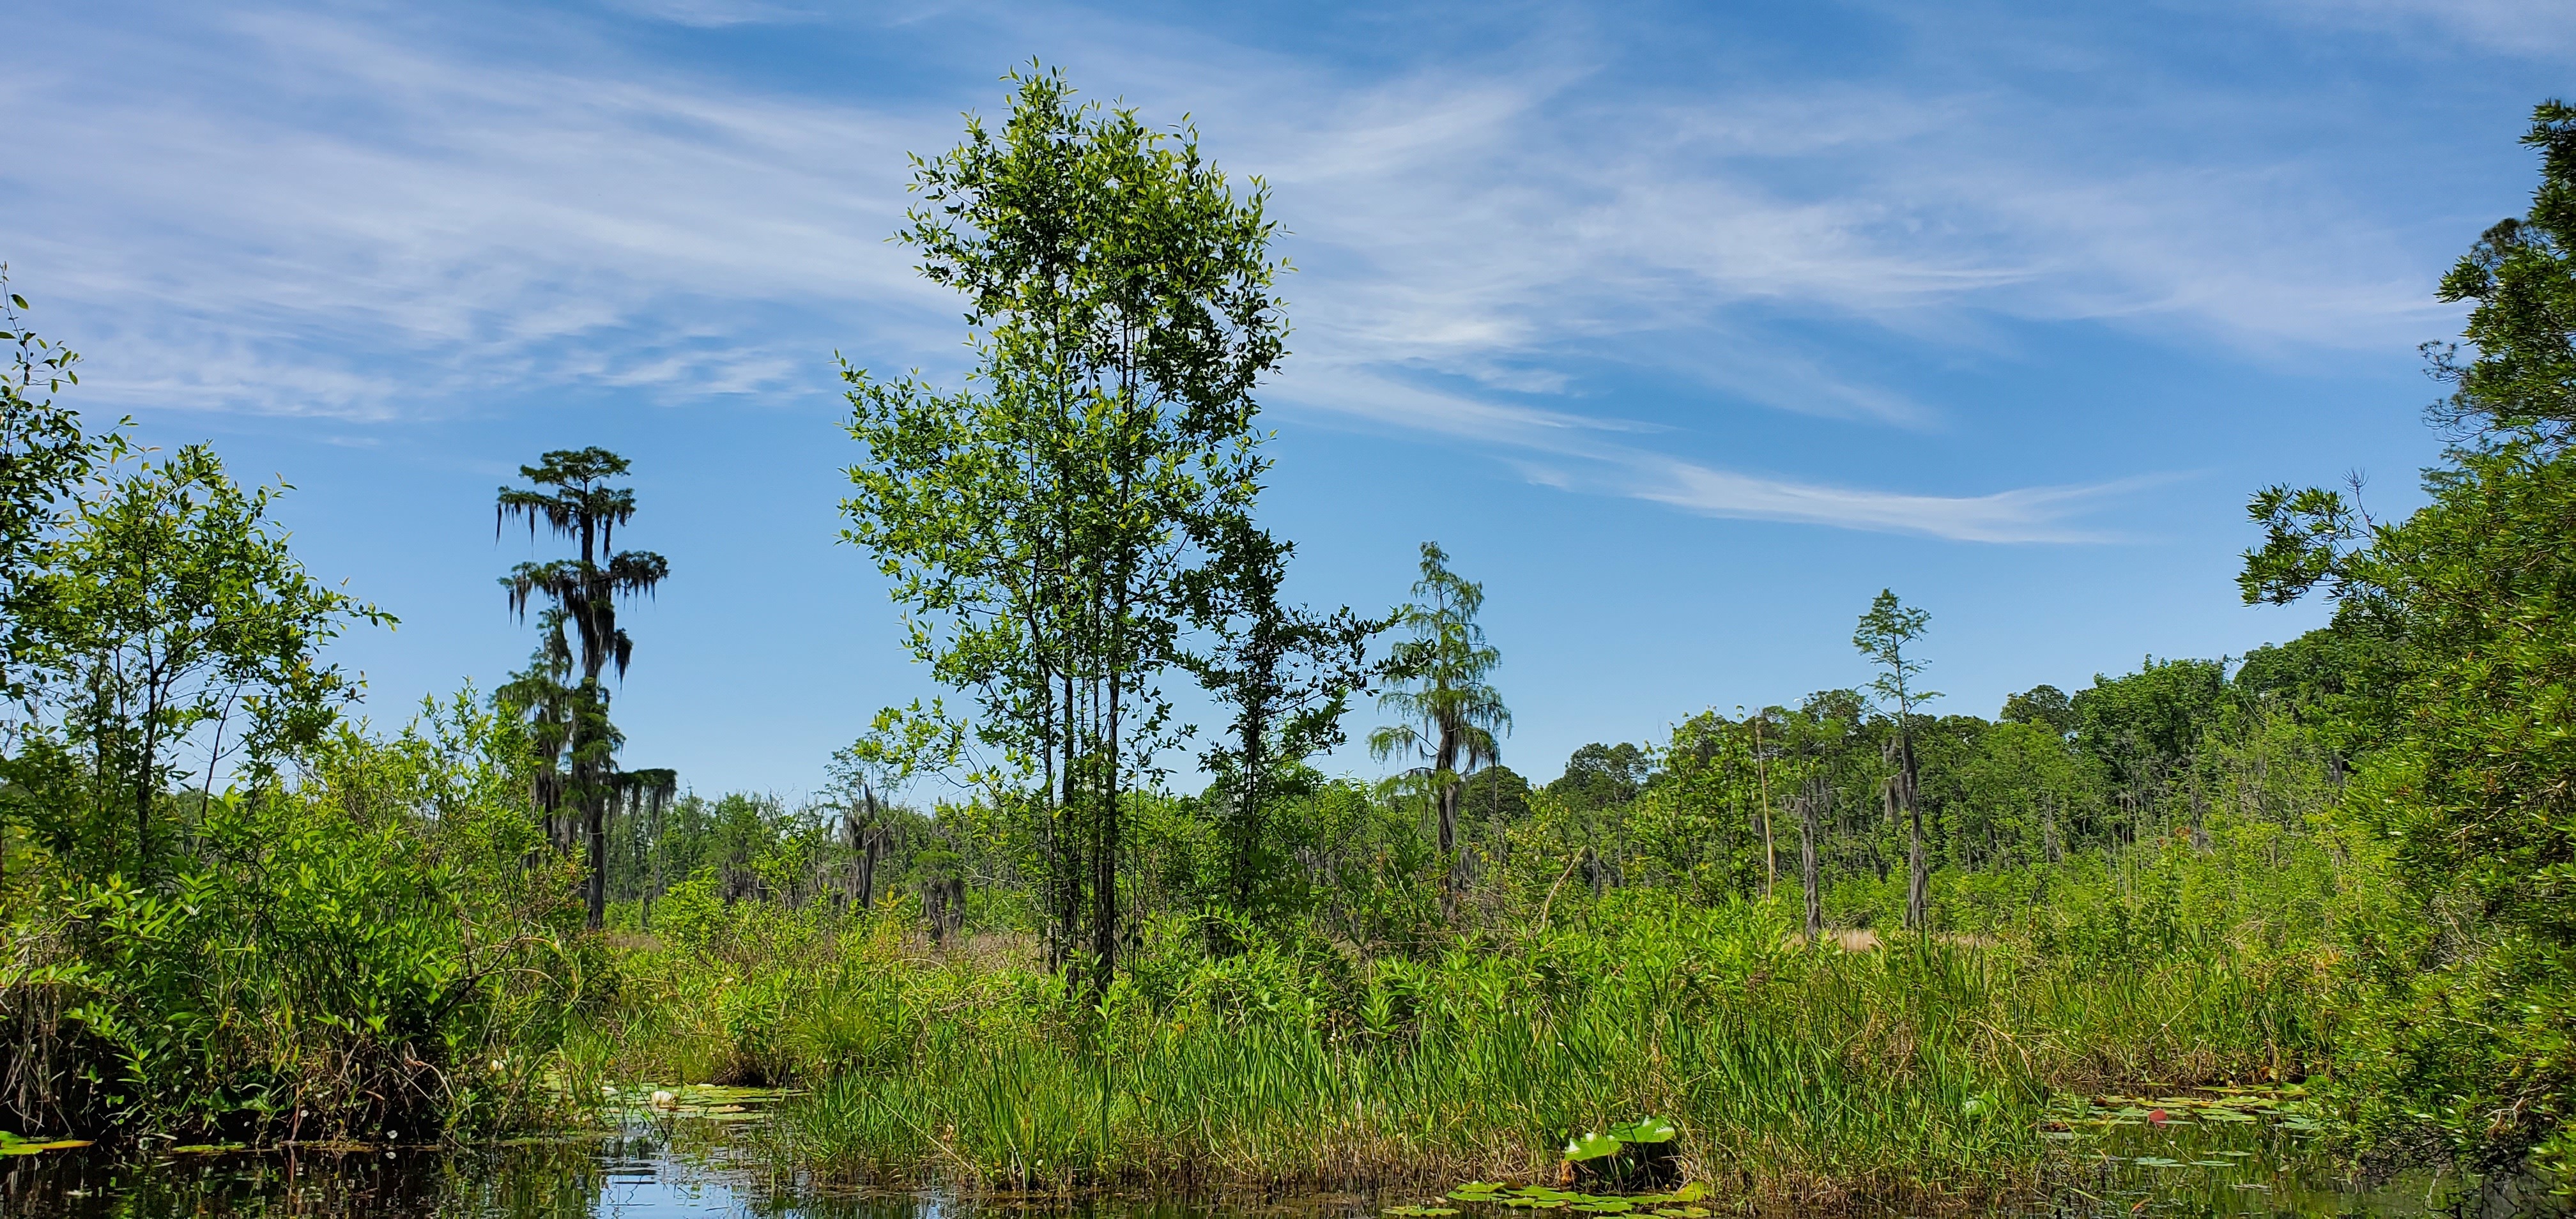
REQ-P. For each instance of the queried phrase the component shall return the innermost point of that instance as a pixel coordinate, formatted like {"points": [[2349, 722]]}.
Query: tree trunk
{"points": [[1070, 855], [1770, 856], [598, 828], [1918, 877], [1451, 879], [143, 810], [1104, 869], [1246, 830], [870, 841], [1445, 813], [589, 799], [143, 782], [1810, 808], [2049, 842]]}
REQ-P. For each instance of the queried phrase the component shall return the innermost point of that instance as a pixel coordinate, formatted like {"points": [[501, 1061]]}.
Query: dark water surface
{"points": [[2112, 1166]]}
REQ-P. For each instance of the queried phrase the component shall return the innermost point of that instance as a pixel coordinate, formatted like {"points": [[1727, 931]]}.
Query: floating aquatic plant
{"points": [[13, 1145]]}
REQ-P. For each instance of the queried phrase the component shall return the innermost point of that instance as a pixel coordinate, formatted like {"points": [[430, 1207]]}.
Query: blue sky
{"points": [[1685, 328]]}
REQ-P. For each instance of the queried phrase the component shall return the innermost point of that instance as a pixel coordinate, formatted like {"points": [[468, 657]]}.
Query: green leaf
{"points": [[1591, 1146], [1645, 1130]]}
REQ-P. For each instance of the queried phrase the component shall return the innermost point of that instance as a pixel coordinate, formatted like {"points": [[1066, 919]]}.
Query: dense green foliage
{"points": [[364, 955], [2459, 614]]}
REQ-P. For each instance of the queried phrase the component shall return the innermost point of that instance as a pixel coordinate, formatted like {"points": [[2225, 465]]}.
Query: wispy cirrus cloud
{"points": [[2510, 27], [1615, 457], [483, 225], [295, 212], [2025, 514], [716, 14]]}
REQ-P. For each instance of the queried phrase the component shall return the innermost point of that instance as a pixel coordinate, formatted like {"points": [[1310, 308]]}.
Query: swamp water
{"points": [[2119, 1157]]}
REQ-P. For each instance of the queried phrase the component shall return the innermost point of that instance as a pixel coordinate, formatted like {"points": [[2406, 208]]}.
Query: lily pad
{"points": [[1645, 1130], [1592, 1146]]}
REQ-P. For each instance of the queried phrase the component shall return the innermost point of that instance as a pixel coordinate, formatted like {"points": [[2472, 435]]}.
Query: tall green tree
{"points": [[1443, 689], [2044, 705], [1598, 775], [542, 699], [2146, 728], [1885, 634], [44, 456], [2468, 606], [1287, 673], [1045, 527], [571, 498], [174, 632], [1816, 743]]}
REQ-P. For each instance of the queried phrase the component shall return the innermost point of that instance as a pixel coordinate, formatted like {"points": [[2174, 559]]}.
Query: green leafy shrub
{"points": [[367, 953]]}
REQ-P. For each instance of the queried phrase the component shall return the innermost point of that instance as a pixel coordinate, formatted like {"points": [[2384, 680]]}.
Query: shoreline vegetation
{"points": [[1917, 1070], [1852, 951]]}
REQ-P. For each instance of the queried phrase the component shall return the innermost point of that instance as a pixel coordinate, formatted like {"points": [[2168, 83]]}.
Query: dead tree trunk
{"points": [[867, 845], [1900, 796]]}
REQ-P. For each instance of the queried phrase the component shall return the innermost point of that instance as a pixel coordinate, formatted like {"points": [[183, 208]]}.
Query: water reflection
{"points": [[691, 1169], [630, 1176], [2186, 1163]]}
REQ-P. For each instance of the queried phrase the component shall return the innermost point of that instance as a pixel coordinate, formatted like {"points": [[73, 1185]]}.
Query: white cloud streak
{"points": [[2538, 29], [296, 214], [1589, 455]]}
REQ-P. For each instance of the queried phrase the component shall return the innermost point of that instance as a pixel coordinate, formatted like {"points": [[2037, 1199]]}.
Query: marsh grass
{"points": [[1918, 1069]]}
